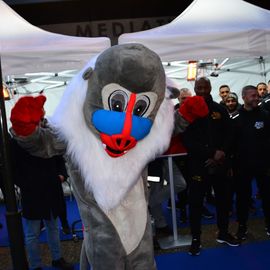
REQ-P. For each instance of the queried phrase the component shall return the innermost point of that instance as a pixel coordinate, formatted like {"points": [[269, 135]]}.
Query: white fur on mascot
{"points": [[112, 121]]}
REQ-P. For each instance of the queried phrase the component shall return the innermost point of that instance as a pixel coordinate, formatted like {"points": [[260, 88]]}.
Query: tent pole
{"points": [[13, 216]]}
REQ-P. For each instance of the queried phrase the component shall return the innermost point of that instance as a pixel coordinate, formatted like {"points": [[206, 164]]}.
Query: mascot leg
{"points": [[142, 258], [102, 246]]}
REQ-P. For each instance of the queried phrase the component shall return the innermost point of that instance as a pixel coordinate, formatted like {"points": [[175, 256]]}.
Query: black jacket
{"points": [[206, 135], [265, 103], [39, 183], [252, 139]]}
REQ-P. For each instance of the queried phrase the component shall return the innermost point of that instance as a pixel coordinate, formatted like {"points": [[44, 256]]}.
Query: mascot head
{"points": [[125, 90], [116, 103]]}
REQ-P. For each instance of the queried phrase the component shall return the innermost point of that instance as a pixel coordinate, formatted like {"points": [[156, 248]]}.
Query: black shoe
{"points": [[228, 239], [183, 215], [38, 268], [241, 233], [207, 214], [62, 264], [195, 247]]}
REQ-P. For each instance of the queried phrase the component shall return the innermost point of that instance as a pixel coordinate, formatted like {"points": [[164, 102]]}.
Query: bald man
{"points": [[208, 142]]}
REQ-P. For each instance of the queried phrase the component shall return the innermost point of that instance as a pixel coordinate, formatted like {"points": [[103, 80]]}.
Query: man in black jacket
{"points": [[208, 141], [40, 187], [251, 155], [265, 102]]}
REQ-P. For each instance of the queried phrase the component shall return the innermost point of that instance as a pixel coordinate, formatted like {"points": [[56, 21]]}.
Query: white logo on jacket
{"points": [[259, 125]]}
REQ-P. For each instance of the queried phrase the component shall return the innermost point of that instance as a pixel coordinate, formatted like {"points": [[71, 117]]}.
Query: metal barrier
{"points": [[176, 240]]}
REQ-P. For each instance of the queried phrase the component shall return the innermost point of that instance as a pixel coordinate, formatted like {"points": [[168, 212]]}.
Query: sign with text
{"points": [[112, 29]]}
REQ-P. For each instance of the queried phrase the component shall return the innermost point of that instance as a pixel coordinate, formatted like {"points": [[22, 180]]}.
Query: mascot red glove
{"points": [[26, 114], [193, 108]]}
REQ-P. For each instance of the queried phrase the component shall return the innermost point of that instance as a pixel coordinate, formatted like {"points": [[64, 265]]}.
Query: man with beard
{"points": [[208, 142], [232, 105], [262, 90], [265, 102], [251, 157]]}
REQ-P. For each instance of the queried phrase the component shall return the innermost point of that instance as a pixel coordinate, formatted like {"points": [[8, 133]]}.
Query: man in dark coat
{"points": [[40, 187], [265, 102], [208, 142], [251, 155]]}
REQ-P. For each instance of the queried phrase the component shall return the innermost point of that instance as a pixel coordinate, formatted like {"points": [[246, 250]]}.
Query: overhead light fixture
{"points": [[6, 93], [192, 71], [214, 74], [219, 66]]}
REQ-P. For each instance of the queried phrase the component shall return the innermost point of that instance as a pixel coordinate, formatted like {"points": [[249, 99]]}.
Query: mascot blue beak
{"points": [[120, 131]]}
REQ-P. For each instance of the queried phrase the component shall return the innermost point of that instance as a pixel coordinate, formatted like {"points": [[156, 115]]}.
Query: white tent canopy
{"points": [[210, 29], [53, 58], [26, 48], [233, 36]]}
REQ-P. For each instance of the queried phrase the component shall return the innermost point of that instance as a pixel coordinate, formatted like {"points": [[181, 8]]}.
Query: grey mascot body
{"points": [[112, 120]]}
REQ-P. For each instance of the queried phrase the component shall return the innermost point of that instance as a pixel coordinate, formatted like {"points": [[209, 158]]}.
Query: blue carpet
{"points": [[247, 257]]}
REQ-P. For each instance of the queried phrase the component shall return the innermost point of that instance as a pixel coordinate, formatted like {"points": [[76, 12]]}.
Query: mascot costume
{"points": [[113, 119]]}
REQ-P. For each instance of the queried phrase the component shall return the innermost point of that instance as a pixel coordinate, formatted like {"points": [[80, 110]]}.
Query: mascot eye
{"points": [[141, 106], [118, 101]]}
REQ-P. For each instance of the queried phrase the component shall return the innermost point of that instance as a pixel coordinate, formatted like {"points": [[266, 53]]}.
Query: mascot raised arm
{"points": [[113, 119]]}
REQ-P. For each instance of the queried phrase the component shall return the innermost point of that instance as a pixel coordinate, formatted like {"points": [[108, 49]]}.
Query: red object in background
{"points": [[176, 146], [193, 108]]}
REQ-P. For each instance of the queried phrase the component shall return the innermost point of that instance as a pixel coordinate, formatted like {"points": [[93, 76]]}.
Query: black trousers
{"points": [[198, 186], [244, 191]]}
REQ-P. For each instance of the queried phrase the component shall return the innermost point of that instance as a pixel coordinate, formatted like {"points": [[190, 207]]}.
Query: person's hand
{"points": [[61, 177], [193, 108], [210, 163], [26, 114], [219, 156]]}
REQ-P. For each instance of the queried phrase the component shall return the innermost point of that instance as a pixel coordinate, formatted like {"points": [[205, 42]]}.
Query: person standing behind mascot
{"points": [[112, 121]]}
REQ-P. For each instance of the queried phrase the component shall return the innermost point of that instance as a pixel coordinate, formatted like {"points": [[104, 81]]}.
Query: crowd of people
{"points": [[226, 151]]}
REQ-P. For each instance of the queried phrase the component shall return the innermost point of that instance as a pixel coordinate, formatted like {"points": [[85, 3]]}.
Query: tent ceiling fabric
{"points": [[210, 29], [235, 72], [27, 48]]}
